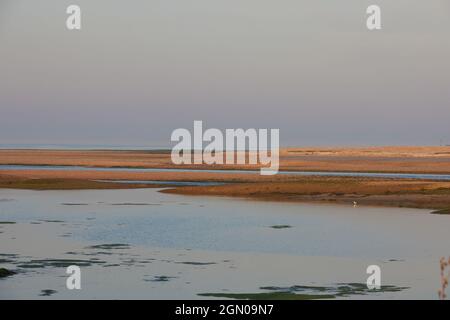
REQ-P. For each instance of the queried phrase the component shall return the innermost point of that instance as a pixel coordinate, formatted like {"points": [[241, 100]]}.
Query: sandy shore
{"points": [[374, 159], [365, 191]]}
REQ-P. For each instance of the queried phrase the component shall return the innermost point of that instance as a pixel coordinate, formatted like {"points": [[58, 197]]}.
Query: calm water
{"points": [[147, 217], [80, 146], [303, 173], [222, 237]]}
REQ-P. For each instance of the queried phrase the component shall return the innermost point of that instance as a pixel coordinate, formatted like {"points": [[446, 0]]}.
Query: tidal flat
{"points": [[413, 177]]}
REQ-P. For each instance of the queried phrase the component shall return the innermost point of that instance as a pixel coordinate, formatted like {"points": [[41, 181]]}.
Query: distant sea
{"points": [[80, 146]]}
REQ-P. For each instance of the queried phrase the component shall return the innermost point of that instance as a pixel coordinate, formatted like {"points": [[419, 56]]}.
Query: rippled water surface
{"points": [[197, 244]]}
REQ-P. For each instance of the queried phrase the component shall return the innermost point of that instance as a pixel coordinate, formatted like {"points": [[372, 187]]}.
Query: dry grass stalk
{"points": [[445, 275]]}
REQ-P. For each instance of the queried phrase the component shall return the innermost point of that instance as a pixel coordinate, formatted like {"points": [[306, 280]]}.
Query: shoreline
{"points": [[420, 160], [410, 193], [379, 191], [227, 169]]}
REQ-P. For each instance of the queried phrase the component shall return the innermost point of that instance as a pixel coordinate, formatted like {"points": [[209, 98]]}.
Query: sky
{"points": [[139, 69]]}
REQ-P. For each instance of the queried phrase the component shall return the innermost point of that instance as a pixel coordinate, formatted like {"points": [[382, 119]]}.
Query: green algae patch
{"points": [[134, 204], [6, 273], [281, 226], [193, 263], [268, 296], [59, 263], [441, 211], [47, 292], [338, 290], [298, 292], [110, 246], [160, 279]]}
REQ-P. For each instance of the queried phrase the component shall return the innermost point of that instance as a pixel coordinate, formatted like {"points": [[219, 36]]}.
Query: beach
{"points": [[412, 159], [68, 172]]}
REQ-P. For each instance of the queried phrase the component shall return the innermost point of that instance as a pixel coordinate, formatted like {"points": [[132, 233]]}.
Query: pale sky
{"points": [[140, 69]]}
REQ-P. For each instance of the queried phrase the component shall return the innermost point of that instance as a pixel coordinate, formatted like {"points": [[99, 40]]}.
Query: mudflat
{"points": [[405, 159], [363, 190]]}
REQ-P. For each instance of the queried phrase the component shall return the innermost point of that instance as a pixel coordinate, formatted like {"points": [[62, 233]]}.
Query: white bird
{"points": [[355, 204]]}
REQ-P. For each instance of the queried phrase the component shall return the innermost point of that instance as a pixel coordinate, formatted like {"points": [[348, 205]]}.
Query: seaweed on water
{"points": [[47, 292], [63, 263], [160, 279], [134, 204], [299, 292], [110, 246], [196, 263], [6, 273], [268, 296], [281, 226], [339, 289]]}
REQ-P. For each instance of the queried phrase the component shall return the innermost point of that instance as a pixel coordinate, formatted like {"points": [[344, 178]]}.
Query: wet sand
{"points": [[363, 190], [414, 159]]}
